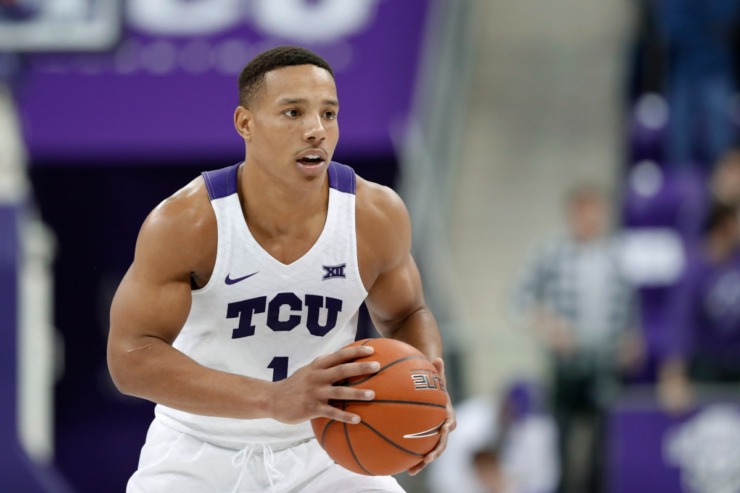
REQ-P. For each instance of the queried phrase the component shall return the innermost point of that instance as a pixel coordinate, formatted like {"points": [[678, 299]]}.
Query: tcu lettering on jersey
{"points": [[245, 311]]}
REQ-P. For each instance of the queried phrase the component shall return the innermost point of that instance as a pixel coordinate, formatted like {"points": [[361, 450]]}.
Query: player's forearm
{"points": [[160, 373], [420, 330]]}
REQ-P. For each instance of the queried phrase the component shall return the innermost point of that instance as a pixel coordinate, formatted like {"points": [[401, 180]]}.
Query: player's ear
{"points": [[243, 122]]}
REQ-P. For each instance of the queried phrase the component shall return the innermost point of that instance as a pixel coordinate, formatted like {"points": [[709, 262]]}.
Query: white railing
{"points": [[35, 333]]}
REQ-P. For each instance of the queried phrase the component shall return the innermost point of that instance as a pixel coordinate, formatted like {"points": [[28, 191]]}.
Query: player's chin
{"points": [[312, 169]]}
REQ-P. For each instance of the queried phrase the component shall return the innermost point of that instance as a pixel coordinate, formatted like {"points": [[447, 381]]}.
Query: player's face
{"points": [[588, 218], [292, 128], [726, 179]]}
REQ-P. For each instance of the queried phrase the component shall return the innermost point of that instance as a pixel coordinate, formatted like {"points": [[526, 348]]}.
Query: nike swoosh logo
{"points": [[427, 433], [230, 281]]}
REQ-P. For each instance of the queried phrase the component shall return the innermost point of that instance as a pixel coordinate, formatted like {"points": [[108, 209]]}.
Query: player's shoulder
{"points": [[383, 225], [180, 236], [185, 214], [379, 205]]}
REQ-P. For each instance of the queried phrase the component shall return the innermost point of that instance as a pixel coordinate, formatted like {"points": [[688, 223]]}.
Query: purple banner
{"points": [[694, 453], [169, 89]]}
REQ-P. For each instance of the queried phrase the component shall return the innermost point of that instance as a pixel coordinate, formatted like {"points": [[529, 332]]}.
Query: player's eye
{"points": [[330, 115], [292, 113]]}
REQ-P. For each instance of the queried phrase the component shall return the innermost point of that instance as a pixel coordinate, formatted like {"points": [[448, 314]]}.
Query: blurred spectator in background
{"points": [[578, 302], [705, 306], [721, 186], [488, 472], [700, 37], [724, 183], [508, 446]]}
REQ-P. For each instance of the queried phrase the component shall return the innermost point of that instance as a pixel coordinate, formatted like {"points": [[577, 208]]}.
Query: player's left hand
{"points": [[447, 427]]}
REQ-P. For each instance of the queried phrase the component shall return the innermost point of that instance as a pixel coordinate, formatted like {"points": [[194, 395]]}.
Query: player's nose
{"points": [[314, 129]]}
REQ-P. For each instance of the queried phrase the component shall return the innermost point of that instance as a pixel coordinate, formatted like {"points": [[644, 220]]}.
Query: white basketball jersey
{"points": [[264, 319]]}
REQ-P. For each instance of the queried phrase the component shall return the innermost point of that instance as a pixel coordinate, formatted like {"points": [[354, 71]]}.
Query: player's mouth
{"points": [[312, 160]]}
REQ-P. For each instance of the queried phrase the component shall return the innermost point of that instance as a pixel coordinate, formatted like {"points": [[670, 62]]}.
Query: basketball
{"points": [[400, 426]]}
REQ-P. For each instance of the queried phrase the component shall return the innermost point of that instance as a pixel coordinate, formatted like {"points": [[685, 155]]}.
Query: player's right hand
{"points": [[306, 394]]}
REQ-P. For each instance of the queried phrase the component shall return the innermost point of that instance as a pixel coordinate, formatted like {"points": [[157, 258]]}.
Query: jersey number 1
{"points": [[279, 365]]}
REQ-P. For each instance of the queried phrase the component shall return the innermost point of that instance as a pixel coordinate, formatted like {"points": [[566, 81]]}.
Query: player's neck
{"points": [[274, 207]]}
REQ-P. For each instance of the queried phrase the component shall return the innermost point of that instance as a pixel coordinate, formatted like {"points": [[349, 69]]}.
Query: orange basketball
{"points": [[400, 426]]}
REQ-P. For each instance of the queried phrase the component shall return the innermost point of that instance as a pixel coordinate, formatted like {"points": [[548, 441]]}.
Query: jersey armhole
{"points": [[217, 265], [356, 256]]}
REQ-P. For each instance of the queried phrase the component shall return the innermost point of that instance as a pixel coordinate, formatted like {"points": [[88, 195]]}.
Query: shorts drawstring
{"points": [[241, 459], [269, 458], [243, 456]]}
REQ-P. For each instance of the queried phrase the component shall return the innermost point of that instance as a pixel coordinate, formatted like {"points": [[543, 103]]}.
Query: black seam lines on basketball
{"points": [[413, 403], [323, 433], [352, 450], [391, 441], [393, 401], [400, 360]]}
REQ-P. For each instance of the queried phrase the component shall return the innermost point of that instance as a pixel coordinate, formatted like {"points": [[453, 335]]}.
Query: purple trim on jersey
{"points": [[221, 182], [342, 178]]}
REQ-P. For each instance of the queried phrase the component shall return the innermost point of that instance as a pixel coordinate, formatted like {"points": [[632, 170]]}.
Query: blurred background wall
{"points": [[545, 113]]}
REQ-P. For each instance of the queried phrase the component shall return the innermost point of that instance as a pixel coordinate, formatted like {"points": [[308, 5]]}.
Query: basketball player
{"points": [[245, 285]]}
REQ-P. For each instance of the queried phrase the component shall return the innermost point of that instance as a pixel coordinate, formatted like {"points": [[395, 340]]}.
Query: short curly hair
{"points": [[252, 76]]}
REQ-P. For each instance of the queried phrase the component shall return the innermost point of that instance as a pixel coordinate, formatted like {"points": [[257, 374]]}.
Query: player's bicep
{"points": [[154, 297], [145, 306], [147, 314], [396, 295]]}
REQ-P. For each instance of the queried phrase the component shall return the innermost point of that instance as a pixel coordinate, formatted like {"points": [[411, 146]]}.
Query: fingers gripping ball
{"points": [[400, 426]]}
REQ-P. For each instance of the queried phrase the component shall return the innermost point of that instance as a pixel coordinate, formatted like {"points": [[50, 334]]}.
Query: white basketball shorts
{"points": [[175, 461]]}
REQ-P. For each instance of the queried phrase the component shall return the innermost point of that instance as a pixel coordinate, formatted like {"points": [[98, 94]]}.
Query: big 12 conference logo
{"points": [[301, 20]]}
